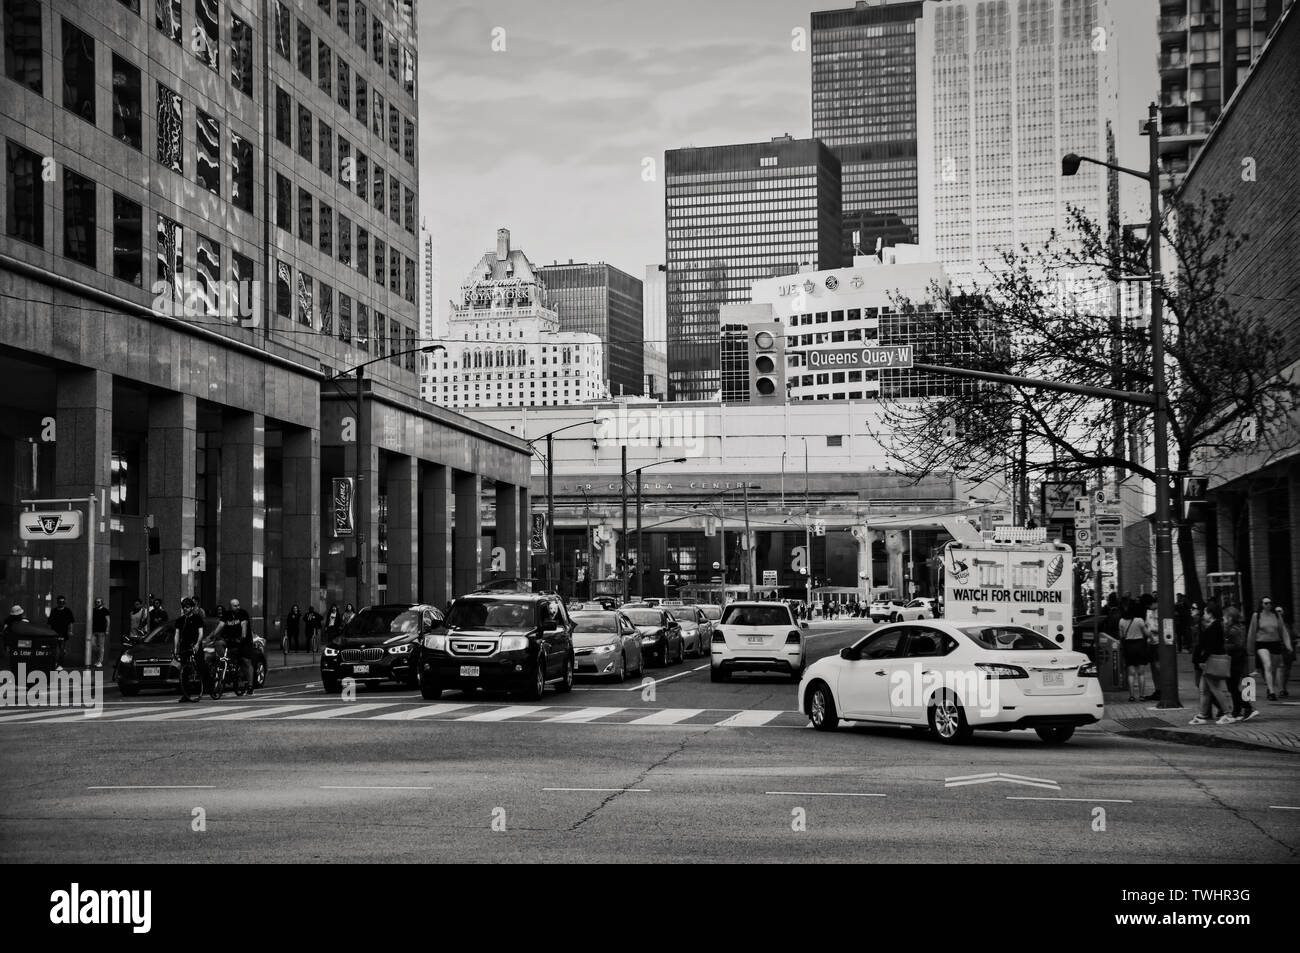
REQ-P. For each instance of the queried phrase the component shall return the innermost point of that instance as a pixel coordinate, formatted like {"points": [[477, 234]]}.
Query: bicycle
{"points": [[191, 682], [227, 672]]}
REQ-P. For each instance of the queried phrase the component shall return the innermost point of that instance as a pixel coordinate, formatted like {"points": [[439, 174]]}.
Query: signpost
{"points": [[50, 525], [769, 577], [861, 358]]}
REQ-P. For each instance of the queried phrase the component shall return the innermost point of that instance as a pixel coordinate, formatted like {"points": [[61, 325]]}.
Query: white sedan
{"points": [[955, 677]]}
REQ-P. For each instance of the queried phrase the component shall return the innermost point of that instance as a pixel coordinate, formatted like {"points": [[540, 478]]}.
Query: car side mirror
{"points": [[551, 625], [803, 625], [850, 654]]}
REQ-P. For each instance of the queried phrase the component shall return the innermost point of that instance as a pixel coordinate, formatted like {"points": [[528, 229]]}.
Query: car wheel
{"points": [[620, 673], [948, 723], [429, 689], [821, 708], [1056, 735], [566, 682], [681, 651], [332, 686], [537, 688], [130, 691], [259, 675]]}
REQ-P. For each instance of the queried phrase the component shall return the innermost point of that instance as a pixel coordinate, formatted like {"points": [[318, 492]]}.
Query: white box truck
{"points": [[1020, 583]]}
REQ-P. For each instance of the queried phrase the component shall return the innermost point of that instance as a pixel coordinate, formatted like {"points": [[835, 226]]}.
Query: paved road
{"points": [[690, 771]]}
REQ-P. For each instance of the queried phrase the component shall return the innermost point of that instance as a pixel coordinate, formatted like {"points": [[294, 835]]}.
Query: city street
{"points": [[680, 770]]}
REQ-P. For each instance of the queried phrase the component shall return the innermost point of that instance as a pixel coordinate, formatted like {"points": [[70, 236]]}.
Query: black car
{"points": [[378, 645], [517, 642], [661, 634], [147, 660]]}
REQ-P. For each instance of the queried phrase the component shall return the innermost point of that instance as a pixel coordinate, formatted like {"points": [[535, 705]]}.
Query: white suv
{"points": [[757, 637]]}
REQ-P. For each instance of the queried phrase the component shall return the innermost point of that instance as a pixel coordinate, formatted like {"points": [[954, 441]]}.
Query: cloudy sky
{"points": [[549, 135]]}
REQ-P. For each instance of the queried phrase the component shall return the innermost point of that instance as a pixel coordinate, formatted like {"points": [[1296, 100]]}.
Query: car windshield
{"points": [[596, 621], [645, 616], [756, 615], [712, 612], [487, 614], [1010, 638], [392, 621]]}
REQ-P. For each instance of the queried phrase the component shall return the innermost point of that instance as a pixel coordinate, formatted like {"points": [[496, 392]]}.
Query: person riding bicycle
{"points": [[241, 640], [188, 644]]}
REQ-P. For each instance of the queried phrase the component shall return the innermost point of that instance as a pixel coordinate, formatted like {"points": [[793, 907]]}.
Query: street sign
{"points": [[769, 577], [1110, 531], [868, 358], [50, 525], [1082, 537]]}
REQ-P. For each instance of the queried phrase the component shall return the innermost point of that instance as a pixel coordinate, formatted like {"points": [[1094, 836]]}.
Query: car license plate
{"points": [[469, 671], [360, 669], [24, 643], [1053, 678], [152, 672], [756, 639]]}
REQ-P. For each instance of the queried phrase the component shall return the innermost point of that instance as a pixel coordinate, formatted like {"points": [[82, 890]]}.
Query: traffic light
{"points": [[766, 361]]}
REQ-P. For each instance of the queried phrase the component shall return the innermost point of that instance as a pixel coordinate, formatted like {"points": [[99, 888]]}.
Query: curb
{"points": [[1177, 736]]}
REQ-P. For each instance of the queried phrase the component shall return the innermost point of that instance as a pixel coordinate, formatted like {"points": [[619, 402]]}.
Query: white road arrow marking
{"points": [[996, 776]]}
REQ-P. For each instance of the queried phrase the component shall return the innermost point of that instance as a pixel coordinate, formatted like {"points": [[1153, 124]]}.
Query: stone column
{"points": [[241, 557], [403, 531], [173, 425], [864, 581], [467, 538], [894, 544], [1293, 537], [435, 534], [82, 463], [507, 525], [1258, 518], [300, 525], [524, 533]]}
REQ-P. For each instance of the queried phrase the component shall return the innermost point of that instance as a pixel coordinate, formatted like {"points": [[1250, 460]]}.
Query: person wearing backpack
{"points": [[1133, 637], [1271, 640], [1234, 640]]}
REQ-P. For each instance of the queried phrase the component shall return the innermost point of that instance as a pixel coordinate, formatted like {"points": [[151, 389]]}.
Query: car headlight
{"points": [[436, 642], [603, 649], [126, 659], [514, 643], [329, 652], [403, 649]]}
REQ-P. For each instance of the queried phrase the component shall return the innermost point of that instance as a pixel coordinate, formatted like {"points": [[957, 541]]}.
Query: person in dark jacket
{"points": [[1214, 688], [61, 621], [291, 624], [312, 622]]}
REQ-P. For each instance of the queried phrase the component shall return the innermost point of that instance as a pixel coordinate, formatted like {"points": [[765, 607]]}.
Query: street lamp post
{"points": [[640, 568], [1160, 400], [550, 498], [807, 532]]}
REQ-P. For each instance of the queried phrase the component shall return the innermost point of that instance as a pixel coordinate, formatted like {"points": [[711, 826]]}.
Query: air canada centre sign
{"points": [[860, 358]]}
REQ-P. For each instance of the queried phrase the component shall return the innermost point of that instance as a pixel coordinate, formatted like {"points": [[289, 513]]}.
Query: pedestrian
{"points": [[1216, 664], [1133, 637], [15, 616], [333, 619], [61, 621], [242, 635], [1200, 618], [313, 621], [1243, 665], [1271, 640], [139, 618], [1150, 608], [1182, 623], [157, 614], [99, 632], [349, 612], [291, 626]]}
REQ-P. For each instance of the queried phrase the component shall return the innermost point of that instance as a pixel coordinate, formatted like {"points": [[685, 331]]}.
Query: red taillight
{"points": [[718, 637], [792, 637]]}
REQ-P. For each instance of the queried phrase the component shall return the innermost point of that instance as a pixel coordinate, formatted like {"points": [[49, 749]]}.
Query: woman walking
{"points": [[1216, 667], [1271, 641], [1133, 634], [1234, 640]]}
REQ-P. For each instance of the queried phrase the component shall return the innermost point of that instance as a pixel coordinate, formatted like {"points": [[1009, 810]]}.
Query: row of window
{"points": [[400, 128], [367, 31], [311, 304]]}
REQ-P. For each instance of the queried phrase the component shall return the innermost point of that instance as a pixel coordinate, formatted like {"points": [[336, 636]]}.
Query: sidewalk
{"points": [[277, 661], [1276, 728]]}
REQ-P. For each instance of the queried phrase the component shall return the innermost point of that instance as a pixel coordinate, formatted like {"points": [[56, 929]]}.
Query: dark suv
{"points": [[378, 645], [516, 642]]}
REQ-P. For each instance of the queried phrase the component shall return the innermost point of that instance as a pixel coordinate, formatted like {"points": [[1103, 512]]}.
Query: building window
{"points": [[326, 230], [241, 173], [128, 239], [362, 99], [408, 72], [127, 109], [169, 129], [207, 139], [363, 252], [408, 140], [378, 191], [394, 271], [394, 198], [325, 148], [205, 39], [394, 129], [304, 50], [325, 308], [381, 334], [395, 342], [392, 57], [345, 315], [23, 63], [304, 132], [283, 289], [167, 18], [377, 113], [241, 55], [78, 218], [207, 268], [304, 215], [362, 175], [377, 42], [283, 203], [241, 273], [408, 210], [345, 239], [410, 349], [78, 73], [342, 18], [363, 327], [346, 172], [170, 271], [362, 25], [305, 304], [283, 31], [324, 68], [283, 117], [381, 260], [410, 280], [345, 84]]}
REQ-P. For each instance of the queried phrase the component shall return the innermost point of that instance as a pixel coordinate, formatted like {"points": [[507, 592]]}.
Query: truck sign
{"points": [[1029, 584]]}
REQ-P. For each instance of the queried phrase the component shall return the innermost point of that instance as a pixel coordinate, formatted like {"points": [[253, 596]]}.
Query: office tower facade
{"points": [[864, 106], [735, 214], [430, 308], [505, 347], [1206, 49], [600, 299], [1007, 89], [654, 296]]}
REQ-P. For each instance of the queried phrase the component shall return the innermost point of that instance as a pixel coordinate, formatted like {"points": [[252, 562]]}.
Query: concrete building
{"points": [[1006, 89], [430, 316], [600, 299], [864, 99], [505, 346], [734, 214], [228, 230], [655, 316]]}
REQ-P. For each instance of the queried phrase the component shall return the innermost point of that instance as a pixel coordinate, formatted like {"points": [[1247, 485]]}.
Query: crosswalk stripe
{"points": [[170, 715], [749, 719], [248, 713], [424, 711], [668, 716], [583, 714], [44, 713], [340, 711], [504, 714]]}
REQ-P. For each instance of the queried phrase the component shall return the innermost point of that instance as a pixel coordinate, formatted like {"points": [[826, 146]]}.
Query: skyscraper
{"points": [[654, 297], [864, 70], [602, 300], [1006, 90], [734, 214], [430, 308]]}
